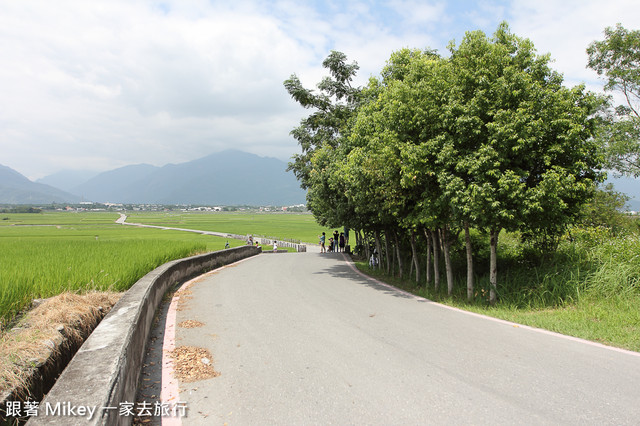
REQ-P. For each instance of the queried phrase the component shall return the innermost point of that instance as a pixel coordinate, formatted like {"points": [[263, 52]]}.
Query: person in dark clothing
{"points": [[342, 242]]}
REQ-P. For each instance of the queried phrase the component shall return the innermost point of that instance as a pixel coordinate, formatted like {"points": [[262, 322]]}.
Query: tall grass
{"points": [[589, 262], [44, 254], [57, 218], [40, 269], [616, 266]]}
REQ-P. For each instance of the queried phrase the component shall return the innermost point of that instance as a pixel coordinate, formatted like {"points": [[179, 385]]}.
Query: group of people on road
{"points": [[250, 241], [337, 242]]}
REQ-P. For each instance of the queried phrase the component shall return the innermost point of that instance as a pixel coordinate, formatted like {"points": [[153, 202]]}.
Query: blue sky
{"points": [[101, 84]]}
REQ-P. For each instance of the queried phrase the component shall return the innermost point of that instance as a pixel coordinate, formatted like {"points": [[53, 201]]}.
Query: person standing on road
{"points": [[342, 242], [322, 240], [336, 235]]}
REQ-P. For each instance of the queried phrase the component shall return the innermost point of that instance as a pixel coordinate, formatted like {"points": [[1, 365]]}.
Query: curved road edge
{"points": [[490, 318]]}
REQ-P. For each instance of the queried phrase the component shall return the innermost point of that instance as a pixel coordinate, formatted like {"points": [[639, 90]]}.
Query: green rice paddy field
{"points": [[44, 254], [291, 226]]}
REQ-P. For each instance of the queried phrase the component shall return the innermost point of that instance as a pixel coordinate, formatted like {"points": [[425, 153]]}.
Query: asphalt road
{"points": [[303, 339]]}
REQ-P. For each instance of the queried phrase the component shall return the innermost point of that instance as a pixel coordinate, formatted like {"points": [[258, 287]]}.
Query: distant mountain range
{"points": [[67, 179], [17, 189], [225, 178]]}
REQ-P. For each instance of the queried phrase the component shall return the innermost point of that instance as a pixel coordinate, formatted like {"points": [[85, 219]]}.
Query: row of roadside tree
{"points": [[483, 140]]}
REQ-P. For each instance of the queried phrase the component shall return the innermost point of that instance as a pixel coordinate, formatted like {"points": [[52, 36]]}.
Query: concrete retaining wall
{"points": [[105, 370]]}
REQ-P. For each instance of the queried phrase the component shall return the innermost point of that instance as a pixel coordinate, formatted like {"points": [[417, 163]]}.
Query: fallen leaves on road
{"points": [[190, 324], [192, 363], [185, 294]]}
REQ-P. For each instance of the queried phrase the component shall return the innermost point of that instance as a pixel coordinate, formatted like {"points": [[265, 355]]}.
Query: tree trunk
{"points": [[411, 265], [365, 245], [386, 251], [355, 231], [428, 271], [376, 235], [395, 238], [436, 255], [414, 252], [467, 241], [446, 244], [493, 266]]}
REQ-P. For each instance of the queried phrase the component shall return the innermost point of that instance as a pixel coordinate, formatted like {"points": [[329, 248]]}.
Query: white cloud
{"points": [[128, 82], [105, 83], [565, 29]]}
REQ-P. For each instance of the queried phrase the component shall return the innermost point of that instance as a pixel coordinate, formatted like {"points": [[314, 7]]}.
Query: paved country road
{"points": [[303, 339]]}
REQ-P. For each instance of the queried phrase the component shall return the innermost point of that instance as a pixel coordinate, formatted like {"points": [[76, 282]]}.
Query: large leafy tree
{"points": [[488, 138], [394, 133], [521, 152], [333, 106], [617, 58], [319, 135]]}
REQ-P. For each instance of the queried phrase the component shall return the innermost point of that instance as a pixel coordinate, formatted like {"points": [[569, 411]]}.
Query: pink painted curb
{"points": [[170, 392]]}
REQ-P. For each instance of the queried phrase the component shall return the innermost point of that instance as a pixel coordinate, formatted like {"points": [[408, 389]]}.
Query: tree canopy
{"points": [[617, 58], [487, 138]]}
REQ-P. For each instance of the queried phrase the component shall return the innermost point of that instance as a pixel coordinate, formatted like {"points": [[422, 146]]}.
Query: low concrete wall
{"points": [[300, 248], [262, 240], [105, 370]]}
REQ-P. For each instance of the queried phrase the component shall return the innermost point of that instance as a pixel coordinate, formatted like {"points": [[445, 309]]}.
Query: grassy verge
{"points": [[611, 321], [25, 348]]}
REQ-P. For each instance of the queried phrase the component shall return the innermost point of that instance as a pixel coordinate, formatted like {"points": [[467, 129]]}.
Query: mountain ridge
{"points": [[17, 189], [230, 177]]}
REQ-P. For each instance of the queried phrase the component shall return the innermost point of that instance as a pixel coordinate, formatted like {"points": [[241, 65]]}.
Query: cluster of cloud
{"points": [[101, 84]]}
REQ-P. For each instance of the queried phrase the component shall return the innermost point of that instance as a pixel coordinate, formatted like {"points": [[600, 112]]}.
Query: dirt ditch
{"points": [[35, 351]]}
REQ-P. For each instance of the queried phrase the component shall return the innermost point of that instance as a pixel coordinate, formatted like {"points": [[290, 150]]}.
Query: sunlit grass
{"points": [[293, 226], [44, 254], [83, 252], [57, 218]]}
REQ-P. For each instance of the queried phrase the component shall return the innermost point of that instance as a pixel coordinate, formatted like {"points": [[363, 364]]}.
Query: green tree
{"points": [[395, 133], [333, 106], [605, 209], [522, 154], [488, 138], [617, 58]]}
